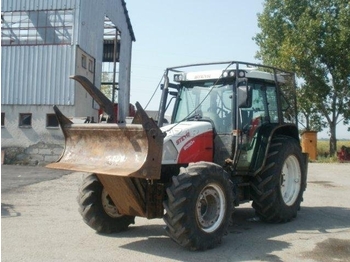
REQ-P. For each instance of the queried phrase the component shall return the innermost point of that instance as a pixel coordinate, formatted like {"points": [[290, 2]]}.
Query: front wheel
{"points": [[278, 190], [199, 206], [97, 208]]}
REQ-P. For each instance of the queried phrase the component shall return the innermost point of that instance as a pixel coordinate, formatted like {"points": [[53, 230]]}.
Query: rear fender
{"points": [[266, 133]]}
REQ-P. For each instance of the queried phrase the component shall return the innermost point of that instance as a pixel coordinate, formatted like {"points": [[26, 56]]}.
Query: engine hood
{"points": [[185, 142]]}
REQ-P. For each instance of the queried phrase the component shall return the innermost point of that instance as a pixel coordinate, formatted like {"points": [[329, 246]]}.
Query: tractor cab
{"points": [[243, 104]]}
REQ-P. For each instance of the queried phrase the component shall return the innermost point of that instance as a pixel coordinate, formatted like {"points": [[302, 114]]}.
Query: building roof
{"points": [[128, 21]]}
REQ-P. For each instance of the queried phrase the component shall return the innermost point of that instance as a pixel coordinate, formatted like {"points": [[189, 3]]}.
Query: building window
{"points": [[91, 65], [44, 27], [51, 120], [2, 119], [83, 61], [25, 119]]}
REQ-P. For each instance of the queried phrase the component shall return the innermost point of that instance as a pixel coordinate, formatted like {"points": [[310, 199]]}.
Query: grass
{"points": [[323, 150]]}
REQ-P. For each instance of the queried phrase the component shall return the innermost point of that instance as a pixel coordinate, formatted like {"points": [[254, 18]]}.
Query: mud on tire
{"points": [[198, 206], [98, 210], [278, 190]]}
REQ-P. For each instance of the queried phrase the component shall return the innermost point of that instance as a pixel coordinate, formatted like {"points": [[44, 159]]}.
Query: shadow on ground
{"points": [[251, 238]]}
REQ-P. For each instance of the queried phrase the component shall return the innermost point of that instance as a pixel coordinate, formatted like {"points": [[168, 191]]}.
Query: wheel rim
{"points": [[109, 206], [210, 208], [290, 180]]}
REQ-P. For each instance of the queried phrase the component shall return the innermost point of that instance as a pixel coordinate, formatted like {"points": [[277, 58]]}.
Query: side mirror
{"points": [[244, 97]]}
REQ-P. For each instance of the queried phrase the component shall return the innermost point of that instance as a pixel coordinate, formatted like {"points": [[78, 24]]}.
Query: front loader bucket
{"points": [[125, 150]]}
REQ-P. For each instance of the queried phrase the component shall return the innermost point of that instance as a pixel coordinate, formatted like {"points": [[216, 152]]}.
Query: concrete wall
{"points": [[33, 145]]}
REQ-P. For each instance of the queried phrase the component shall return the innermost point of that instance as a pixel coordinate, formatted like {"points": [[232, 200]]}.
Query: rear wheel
{"points": [[199, 206], [97, 208], [278, 190]]}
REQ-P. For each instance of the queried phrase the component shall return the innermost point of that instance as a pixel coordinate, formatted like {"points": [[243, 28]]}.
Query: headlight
{"points": [[241, 74], [229, 73], [169, 151], [178, 77]]}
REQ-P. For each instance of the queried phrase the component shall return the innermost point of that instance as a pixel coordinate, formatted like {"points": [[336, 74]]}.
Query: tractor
{"points": [[233, 138]]}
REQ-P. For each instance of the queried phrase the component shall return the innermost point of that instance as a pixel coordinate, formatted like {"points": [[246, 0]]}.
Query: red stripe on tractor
{"points": [[199, 148]]}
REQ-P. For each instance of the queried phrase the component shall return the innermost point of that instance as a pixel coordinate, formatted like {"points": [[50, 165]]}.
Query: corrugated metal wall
{"points": [[11, 5], [37, 75]]}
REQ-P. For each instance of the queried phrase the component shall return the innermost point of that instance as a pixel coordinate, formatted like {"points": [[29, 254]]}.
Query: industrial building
{"points": [[43, 42]]}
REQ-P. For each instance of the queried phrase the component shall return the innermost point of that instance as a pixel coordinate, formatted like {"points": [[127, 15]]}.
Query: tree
{"points": [[309, 117], [312, 38], [107, 89]]}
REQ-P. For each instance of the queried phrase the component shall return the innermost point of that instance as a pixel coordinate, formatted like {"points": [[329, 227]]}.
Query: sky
{"points": [[172, 33]]}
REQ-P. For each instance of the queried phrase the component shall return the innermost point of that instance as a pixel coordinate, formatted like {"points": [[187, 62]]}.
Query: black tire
{"points": [[199, 205], [278, 190], [98, 210]]}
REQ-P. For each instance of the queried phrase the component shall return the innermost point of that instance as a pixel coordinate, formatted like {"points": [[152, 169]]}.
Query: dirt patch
{"points": [[331, 249]]}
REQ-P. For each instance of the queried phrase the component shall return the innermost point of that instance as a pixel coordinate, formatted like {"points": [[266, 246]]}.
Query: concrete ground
{"points": [[40, 222]]}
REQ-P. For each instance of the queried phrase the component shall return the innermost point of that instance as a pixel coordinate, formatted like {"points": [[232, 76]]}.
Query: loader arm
{"points": [[95, 93]]}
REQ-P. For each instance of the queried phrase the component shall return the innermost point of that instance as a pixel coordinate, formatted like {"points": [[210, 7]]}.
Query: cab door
{"points": [[253, 120]]}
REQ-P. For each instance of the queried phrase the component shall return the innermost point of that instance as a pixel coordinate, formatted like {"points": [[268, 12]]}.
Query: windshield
{"points": [[208, 102]]}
